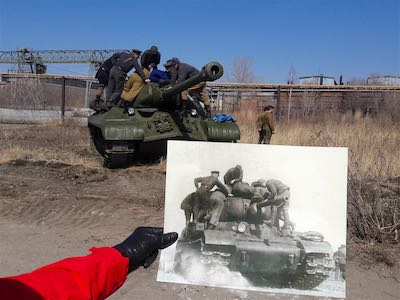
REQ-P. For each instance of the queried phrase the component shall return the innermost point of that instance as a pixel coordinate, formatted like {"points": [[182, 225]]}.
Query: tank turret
{"points": [[153, 96], [210, 72]]}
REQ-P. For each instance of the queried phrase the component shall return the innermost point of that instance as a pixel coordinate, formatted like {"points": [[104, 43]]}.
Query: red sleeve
{"points": [[95, 276]]}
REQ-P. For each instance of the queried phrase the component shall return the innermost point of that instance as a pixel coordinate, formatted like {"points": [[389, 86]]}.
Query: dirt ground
{"points": [[50, 210]]}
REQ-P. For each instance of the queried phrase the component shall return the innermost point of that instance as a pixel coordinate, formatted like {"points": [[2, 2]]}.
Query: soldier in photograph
{"points": [[266, 125], [259, 190], [233, 179], [187, 206], [202, 201], [233, 175], [277, 195]]}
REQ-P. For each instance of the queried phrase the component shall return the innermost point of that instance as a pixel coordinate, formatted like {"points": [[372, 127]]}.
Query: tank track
{"points": [[112, 154], [308, 281], [315, 269]]}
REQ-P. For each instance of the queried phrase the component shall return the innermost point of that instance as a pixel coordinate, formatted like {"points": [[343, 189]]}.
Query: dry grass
{"points": [[65, 142], [374, 159], [373, 143], [374, 165]]}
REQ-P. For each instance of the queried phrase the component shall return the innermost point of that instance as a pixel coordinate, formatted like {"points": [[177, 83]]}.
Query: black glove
{"points": [[142, 246]]}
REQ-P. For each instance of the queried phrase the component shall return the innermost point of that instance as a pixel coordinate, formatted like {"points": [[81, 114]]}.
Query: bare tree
{"points": [[242, 71], [292, 76]]}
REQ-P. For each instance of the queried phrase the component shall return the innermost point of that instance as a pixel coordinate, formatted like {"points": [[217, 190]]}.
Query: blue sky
{"points": [[354, 38]]}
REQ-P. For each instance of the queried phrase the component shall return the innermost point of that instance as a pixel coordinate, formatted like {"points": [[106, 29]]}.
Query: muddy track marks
{"points": [[57, 194]]}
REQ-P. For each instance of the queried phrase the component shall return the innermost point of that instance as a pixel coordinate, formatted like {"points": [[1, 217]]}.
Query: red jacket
{"points": [[95, 276]]}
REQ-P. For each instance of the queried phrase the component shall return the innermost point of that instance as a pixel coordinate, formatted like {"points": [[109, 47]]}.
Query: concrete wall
{"points": [[22, 116]]}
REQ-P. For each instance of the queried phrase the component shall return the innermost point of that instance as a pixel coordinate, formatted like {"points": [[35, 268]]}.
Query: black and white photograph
{"points": [[256, 217]]}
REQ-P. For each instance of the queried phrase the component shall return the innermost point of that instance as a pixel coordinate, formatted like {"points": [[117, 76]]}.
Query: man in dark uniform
{"points": [[202, 202], [102, 75], [150, 58], [183, 72], [266, 125], [126, 62], [233, 175], [233, 179]]}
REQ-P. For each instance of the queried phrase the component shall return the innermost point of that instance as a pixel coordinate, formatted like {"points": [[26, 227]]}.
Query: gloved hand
{"points": [[141, 247]]}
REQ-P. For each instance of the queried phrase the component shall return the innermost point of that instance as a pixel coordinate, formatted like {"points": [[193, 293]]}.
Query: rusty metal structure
{"points": [[25, 60]]}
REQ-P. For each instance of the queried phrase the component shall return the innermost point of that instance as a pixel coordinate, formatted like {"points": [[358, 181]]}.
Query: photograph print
{"points": [[264, 218]]}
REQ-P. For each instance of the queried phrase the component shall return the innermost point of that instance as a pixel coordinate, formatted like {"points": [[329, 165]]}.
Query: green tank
{"points": [[118, 135], [259, 251]]}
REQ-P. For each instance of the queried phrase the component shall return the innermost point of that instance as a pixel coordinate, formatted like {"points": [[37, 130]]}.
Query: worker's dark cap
{"points": [[168, 64], [215, 172], [136, 51], [175, 60], [154, 48]]}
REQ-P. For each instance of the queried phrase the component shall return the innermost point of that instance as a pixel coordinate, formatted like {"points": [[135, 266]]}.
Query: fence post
{"points": [[63, 99], [289, 104], [278, 103]]}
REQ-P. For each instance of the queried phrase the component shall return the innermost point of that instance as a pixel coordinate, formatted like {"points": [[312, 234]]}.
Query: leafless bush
{"points": [[373, 207], [391, 105], [309, 103]]}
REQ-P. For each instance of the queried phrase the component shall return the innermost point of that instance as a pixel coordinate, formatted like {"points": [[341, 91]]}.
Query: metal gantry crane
{"points": [[34, 61]]}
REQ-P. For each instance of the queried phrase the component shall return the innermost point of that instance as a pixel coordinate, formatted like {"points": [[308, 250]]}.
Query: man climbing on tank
{"points": [[102, 75], [126, 62], [187, 206], [150, 59], [277, 195], [232, 176], [132, 88], [233, 179], [205, 203], [180, 72]]}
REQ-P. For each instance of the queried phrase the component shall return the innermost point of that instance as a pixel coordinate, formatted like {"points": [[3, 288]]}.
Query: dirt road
{"points": [[49, 211]]}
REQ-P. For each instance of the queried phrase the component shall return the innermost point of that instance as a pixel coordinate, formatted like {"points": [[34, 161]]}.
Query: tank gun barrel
{"points": [[210, 72]]}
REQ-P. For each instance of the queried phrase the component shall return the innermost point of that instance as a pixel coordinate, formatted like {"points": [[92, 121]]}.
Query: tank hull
{"points": [[260, 253], [117, 136]]}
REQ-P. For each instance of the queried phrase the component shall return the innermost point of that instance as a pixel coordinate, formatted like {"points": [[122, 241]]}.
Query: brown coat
{"points": [[266, 121], [133, 86]]}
